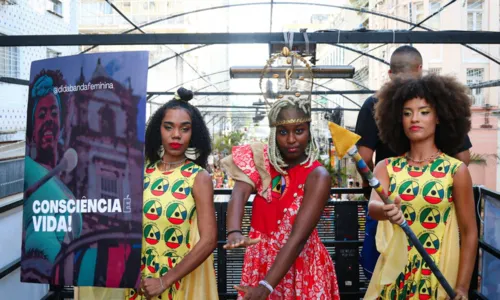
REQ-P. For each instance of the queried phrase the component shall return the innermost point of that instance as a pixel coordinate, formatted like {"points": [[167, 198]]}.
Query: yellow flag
{"points": [[342, 138]]}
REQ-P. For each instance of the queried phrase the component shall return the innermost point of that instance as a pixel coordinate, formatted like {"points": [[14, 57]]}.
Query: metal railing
{"points": [[485, 283], [341, 229], [11, 177]]}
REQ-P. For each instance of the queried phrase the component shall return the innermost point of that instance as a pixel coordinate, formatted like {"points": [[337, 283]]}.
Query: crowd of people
{"points": [[416, 125]]}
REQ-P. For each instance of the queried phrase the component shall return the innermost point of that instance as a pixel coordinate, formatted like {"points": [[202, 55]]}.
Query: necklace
{"points": [[408, 157], [173, 163]]}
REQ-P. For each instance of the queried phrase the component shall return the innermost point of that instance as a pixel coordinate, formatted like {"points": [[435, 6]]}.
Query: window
{"points": [[435, 71], [108, 121], [106, 8], [9, 61], [109, 188], [55, 6], [475, 15], [52, 53], [476, 76], [434, 22], [417, 12]]}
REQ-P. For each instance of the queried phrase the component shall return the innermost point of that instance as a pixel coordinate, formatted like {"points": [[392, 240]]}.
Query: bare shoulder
{"points": [[318, 176], [202, 177], [461, 173], [320, 172]]}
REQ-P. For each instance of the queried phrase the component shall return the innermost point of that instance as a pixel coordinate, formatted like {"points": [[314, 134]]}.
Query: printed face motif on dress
{"points": [[430, 217], [408, 190], [189, 169], [398, 164], [176, 213], [278, 186], [173, 237], [152, 210], [159, 186], [151, 234], [180, 189], [416, 171], [433, 192], [150, 260], [440, 168], [408, 213], [430, 242], [425, 290]]}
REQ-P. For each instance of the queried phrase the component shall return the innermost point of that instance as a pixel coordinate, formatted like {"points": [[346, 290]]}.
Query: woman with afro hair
{"points": [[427, 119]]}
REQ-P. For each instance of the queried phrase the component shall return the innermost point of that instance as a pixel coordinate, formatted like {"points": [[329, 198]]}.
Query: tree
{"points": [[225, 143]]}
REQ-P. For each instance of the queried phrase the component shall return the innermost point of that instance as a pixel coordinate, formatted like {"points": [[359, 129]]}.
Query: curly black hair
{"points": [[200, 138], [445, 94]]}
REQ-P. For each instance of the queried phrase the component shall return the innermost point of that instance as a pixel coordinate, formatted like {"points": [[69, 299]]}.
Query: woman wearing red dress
{"points": [[285, 258]]}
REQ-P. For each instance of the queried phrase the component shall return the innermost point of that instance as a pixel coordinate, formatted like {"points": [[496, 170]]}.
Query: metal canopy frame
{"points": [[331, 38], [263, 108], [325, 37], [222, 93]]}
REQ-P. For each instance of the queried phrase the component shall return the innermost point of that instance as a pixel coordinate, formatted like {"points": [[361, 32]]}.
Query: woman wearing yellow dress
{"points": [[179, 226], [427, 119]]}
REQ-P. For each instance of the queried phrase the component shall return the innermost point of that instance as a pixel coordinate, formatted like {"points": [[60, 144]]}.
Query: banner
{"points": [[82, 217]]}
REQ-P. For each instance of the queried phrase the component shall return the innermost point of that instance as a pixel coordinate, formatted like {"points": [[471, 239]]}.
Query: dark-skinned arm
{"points": [[316, 194], [236, 206], [235, 211], [463, 198], [203, 194]]}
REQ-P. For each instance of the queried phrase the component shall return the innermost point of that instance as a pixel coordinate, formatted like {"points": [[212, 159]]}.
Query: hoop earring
{"points": [[161, 152], [192, 153]]}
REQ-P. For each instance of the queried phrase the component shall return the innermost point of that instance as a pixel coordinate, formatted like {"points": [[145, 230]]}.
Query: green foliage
{"points": [[335, 173], [481, 159], [225, 143]]}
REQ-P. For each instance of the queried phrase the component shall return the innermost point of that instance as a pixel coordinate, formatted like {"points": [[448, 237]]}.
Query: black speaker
{"points": [[347, 267], [346, 221]]}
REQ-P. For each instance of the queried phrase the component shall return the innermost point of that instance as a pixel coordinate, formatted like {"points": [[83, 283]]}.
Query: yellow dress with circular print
{"points": [[170, 231], [426, 194]]}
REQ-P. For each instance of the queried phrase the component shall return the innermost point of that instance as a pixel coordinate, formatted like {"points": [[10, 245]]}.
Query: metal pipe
{"points": [[344, 37], [346, 92], [318, 72]]}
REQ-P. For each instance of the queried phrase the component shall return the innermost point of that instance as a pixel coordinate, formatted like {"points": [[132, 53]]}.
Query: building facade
{"points": [[456, 60], [28, 17], [170, 68]]}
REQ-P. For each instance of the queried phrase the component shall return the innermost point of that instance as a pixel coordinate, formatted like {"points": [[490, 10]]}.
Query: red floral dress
{"points": [[312, 276]]}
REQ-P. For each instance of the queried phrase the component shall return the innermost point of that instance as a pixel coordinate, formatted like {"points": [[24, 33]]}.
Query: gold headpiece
{"points": [[291, 121], [294, 76]]}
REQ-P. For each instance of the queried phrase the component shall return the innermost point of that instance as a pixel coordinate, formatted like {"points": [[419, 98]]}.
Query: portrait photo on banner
{"points": [[82, 214]]}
